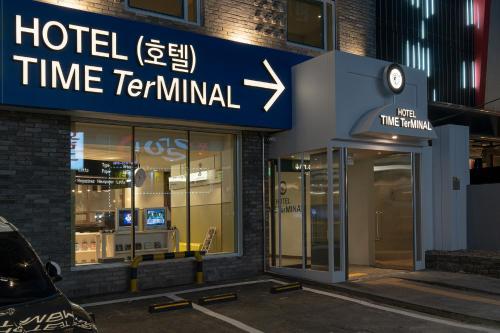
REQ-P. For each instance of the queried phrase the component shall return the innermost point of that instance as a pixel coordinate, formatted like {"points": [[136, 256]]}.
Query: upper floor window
{"points": [[184, 10], [310, 23]]}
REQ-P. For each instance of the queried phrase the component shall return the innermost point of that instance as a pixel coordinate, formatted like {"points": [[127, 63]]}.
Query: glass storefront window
{"points": [[101, 171], [212, 195], [160, 194], [176, 208]]}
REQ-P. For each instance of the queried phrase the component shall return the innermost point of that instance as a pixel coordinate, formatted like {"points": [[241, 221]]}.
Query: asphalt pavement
{"points": [[312, 309]]}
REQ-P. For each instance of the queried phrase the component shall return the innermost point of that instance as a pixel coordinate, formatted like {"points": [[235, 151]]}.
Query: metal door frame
{"points": [[342, 274], [303, 272]]}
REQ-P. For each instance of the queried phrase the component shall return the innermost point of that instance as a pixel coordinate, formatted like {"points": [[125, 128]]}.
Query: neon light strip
{"points": [[474, 74], [428, 63], [464, 75], [408, 53]]}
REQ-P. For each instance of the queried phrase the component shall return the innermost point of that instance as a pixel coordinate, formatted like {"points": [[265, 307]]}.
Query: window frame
{"points": [[184, 19], [325, 4], [238, 195]]}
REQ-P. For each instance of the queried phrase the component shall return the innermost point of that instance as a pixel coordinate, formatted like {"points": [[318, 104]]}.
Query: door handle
{"points": [[378, 217]]}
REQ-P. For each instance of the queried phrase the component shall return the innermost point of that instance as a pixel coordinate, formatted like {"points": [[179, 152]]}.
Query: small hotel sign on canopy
{"points": [[73, 60], [405, 118]]}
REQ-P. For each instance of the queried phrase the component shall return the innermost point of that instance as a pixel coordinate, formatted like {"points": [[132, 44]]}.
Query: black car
{"points": [[29, 300]]}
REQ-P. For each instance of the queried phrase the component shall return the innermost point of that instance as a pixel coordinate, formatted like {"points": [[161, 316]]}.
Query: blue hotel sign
{"points": [[63, 59]]}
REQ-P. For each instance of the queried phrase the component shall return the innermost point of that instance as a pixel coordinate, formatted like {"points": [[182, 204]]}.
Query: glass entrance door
{"points": [[305, 215], [339, 212], [316, 236], [285, 218], [380, 228], [393, 211], [338, 215]]}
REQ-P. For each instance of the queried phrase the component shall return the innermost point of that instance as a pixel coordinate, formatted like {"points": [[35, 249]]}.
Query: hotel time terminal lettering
{"points": [[87, 62], [405, 118], [104, 44]]}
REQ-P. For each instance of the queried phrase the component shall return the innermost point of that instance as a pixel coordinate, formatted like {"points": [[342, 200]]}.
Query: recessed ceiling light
{"points": [[394, 137]]}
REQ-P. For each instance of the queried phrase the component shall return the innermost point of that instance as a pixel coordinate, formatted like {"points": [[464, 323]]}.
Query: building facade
{"points": [[418, 34], [250, 130], [464, 91], [67, 174]]}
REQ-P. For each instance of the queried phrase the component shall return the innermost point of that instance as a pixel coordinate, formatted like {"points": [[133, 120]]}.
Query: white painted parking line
{"points": [[405, 313], [246, 328], [226, 319], [123, 300], [185, 291], [229, 285], [397, 311], [231, 321]]}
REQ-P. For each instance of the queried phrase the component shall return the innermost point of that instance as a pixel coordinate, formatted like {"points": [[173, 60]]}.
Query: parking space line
{"points": [[124, 300], [226, 319], [229, 320], [397, 311], [186, 291], [174, 296], [229, 285]]}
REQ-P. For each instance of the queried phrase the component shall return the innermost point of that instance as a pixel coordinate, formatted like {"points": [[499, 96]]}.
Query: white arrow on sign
{"points": [[277, 85]]}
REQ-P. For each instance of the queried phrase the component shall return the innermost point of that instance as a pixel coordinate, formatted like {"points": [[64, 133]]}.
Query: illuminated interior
{"points": [[103, 199]]}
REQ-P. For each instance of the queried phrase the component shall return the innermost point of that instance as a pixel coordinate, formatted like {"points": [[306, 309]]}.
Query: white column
{"points": [[450, 156]]}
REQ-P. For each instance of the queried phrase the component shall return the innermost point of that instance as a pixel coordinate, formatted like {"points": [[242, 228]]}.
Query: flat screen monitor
{"points": [[125, 218], [155, 218]]}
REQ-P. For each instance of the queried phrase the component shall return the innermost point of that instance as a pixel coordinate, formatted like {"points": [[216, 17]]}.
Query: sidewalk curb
{"points": [[469, 319], [346, 290], [451, 286]]}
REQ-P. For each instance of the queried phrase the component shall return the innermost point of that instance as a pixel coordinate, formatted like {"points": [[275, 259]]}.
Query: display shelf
{"points": [[139, 232], [154, 231], [89, 252], [160, 249]]}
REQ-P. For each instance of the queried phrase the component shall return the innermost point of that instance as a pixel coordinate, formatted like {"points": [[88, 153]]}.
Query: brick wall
{"points": [[357, 27], [474, 262], [257, 22], [35, 180]]}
